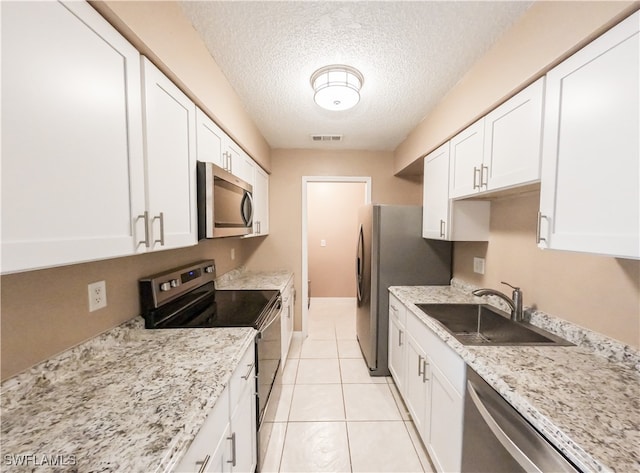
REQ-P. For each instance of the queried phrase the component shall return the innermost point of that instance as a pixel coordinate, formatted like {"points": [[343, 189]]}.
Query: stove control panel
{"points": [[161, 288]]}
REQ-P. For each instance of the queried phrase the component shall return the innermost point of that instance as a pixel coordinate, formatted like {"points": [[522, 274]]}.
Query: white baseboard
{"points": [[332, 299]]}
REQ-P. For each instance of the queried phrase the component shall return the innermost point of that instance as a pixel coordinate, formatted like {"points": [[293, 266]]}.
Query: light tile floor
{"points": [[332, 416]]}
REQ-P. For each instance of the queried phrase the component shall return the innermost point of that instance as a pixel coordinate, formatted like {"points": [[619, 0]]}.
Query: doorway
{"points": [[329, 208]]}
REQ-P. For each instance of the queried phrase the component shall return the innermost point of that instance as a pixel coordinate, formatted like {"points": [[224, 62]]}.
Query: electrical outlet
{"points": [[478, 265], [97, 296], [233, 253]]}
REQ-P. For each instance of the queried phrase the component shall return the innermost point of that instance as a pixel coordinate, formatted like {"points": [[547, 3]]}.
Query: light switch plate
{"points": [[478, 265]]}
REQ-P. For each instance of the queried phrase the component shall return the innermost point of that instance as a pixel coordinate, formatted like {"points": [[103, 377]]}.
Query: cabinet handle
{"points": [[482, 183], [233, 449], [424, 371], [161, 218], [538, 225], [146, 241], [203, 463], [420, 366], [442, 228], [246, 376], [399, 338], [476, 171]]}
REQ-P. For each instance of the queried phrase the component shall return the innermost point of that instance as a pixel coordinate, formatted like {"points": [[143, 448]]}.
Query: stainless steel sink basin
{"points": [[481, 324]]}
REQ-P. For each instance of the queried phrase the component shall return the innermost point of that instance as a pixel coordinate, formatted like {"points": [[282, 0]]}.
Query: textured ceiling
{"points": [[410, 53]]}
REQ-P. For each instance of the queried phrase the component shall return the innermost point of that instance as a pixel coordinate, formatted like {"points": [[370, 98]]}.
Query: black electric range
{"points": [[186, 297]]}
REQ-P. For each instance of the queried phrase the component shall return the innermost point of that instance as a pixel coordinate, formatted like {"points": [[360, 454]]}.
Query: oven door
{"points": [[268, 349]]}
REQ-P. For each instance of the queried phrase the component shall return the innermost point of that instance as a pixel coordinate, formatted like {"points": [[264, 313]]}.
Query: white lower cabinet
{"points": [[431, 382], [288, 304], [397, 340], [227, 440]]}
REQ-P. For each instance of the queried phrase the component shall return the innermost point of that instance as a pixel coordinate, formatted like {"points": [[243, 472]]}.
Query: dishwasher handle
{"points": [[518, 455]]}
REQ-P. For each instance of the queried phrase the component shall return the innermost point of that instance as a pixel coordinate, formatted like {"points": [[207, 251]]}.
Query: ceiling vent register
{"points": [[334, 138]]}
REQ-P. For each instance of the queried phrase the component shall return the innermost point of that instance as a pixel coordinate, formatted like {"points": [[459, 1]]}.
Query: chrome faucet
{"points": [[514, 302]]}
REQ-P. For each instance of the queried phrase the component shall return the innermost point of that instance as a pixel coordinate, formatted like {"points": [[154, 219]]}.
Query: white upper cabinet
{"points": [[502, 149], [467, 148], [446, 219], [72, 158], [170, 158], [215, 146], [435, 204], [261, 202], [590, 198], [210, 140], [513, 140]]}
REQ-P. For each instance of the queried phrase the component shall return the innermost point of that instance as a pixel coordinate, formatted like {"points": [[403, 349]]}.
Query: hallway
{"points": [[332, 416]]}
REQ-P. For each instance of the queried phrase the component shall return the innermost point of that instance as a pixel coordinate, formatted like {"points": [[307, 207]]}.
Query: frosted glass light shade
{"points": [[337, 87]]}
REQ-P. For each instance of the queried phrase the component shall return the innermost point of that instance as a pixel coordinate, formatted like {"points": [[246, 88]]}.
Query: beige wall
{"points": [[283, 247], [332, 216], [547, 33], [160, 31], [597, 292], [46, 312]]}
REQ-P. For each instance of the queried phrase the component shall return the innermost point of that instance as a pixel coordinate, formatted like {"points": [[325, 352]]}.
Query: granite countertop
{"points": [[128, 400], [585, 399], [242, 279]]}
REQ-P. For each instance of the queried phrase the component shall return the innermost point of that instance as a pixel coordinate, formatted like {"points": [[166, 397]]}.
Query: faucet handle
{"points": [[512, 287]]}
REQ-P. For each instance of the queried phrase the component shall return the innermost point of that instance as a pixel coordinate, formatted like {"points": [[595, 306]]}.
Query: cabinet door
{"points": [[417, 384], [466, 152], [243, 443], [261, 202], [209, 140], [243, 430], [590, 197], [72, 162], [170, 161], [513, 139], [397, 341], [445, 432], [435, 219], [287, 322]]}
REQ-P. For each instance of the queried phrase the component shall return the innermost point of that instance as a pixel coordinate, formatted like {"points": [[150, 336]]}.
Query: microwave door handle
{"points": [[248, 219]]}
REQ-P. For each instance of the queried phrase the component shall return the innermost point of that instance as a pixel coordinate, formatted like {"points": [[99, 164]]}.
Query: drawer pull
{"points": [[233, 449], [203, 463], [246, 376]]}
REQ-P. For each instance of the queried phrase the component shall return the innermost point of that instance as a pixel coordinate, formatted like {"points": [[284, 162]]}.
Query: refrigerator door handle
{"points": [[360, 265]]}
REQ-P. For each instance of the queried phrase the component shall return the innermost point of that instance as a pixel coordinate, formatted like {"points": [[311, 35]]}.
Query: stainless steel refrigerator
{"points": [[391, 252]]}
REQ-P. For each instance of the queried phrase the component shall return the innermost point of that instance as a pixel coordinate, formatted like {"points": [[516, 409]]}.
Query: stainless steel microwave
{"points": [[225, 203]]}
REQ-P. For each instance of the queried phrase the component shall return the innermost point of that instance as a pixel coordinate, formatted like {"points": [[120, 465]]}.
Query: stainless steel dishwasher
{"points": [[497, 439]]}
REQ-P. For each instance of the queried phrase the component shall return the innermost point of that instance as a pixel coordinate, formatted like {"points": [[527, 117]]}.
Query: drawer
{"points": [[397, 310], [243, 375], [443, 356]]}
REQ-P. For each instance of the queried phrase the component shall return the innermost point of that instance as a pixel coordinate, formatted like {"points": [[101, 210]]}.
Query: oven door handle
{"points": [[271, 319], [518, 455]]}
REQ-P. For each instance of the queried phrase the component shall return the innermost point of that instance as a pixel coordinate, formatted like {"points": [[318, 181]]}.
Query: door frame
{"points": [[306, 180]]}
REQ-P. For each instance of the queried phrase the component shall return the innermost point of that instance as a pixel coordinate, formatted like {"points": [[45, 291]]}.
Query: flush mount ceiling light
{"points": [[337, 87]]}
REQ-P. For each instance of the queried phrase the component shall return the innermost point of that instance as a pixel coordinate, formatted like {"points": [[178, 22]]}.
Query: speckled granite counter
{"points": [[242, 279], [585, 399], [128, 400]]}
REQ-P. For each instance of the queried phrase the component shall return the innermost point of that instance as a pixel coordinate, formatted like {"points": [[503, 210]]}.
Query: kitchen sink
{"points": [[482, 324]]}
